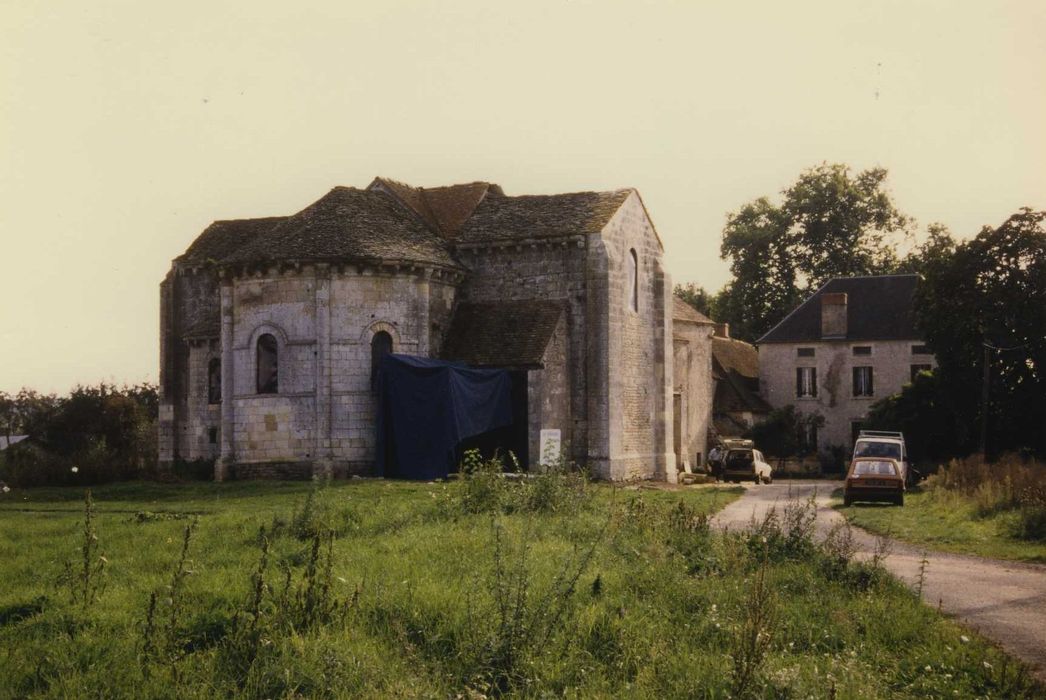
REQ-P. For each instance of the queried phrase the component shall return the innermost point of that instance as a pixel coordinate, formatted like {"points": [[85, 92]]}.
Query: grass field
{"points": [[949, 523], [373, 588]]}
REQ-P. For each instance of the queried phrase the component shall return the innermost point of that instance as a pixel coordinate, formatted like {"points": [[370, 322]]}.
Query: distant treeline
{"points": [[94, 435]]}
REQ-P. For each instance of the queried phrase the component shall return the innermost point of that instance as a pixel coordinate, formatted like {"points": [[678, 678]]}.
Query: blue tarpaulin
{"points": [[426, 407]]}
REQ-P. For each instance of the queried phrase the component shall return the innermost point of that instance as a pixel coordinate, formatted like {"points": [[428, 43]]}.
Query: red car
{"points": [[874, 479]]}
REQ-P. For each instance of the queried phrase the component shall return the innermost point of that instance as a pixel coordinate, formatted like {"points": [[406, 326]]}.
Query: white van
{"points": [[883, 444]]}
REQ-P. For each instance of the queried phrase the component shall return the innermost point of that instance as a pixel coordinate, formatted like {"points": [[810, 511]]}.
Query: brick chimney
{"points": [[722, 330], [833, 315]]}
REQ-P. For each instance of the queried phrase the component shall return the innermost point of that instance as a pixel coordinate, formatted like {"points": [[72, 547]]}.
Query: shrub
{"points": [[1010, 483]]}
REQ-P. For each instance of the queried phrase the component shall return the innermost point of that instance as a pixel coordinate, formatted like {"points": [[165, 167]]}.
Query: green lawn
{"points": [[945, 521], [388, 589]]}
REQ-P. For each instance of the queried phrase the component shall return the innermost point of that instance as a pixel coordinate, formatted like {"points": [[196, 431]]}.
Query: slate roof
{"points": [[499, 218], [682, 311], [222, 238], [14, 440], [502, 333], [878, 308], [348, 224]]}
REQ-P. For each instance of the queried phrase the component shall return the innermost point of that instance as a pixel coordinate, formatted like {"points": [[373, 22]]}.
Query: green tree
{"points": [[696, 296], [830, 223], [991, 292]]}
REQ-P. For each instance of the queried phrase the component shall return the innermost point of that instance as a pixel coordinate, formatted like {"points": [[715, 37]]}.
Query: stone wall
{"points": [[630, 351], [692, 374], [548, 395], [553, 270], [891, 363]]}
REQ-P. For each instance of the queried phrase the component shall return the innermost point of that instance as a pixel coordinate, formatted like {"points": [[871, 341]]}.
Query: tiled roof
{"points": [[735, 368], [502, 333], [222, 238], [736, 355], [348, 224], [444, 209], [878, 308], [541, 216], [682, 311]]}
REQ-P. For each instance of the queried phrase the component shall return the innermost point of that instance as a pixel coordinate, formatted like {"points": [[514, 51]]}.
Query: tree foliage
{"points": [[105, 431], [831, 222], [992, 291], [778, 435], [697, 296]]}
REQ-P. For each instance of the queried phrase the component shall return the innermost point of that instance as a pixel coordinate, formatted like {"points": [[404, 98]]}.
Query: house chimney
{"points": [[833, 315], [722, 330]]}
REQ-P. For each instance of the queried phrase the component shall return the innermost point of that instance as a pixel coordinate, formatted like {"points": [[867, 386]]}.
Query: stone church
{"points": [[271, 329]]}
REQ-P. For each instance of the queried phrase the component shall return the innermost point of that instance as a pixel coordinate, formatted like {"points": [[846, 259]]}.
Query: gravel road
{"points": [[1004, 601]]}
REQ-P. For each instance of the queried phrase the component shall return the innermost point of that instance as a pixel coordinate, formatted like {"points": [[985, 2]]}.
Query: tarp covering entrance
{"points": [[426, 407]]}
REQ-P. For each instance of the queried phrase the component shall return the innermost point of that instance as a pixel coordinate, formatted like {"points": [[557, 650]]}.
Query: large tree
{"points": [[830, 223], [988, 300]]}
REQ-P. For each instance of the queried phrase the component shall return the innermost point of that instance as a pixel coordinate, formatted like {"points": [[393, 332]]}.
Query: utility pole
{"points": [[985, 388]]}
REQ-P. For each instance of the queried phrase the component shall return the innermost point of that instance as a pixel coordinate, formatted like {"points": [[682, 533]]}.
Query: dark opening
{"points": [[512, 438], [214, 381], [268, 365], [380, 346]]}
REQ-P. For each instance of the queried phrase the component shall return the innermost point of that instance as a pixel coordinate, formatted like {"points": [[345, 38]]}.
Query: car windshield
{"points": [[739, 457], [874, 467], [867, 448]]}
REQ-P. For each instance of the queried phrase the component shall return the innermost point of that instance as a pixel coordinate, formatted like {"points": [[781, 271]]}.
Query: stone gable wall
{"points": [[636, 404], [547, 271]]}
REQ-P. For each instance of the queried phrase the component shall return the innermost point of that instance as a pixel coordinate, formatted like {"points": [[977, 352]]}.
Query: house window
{"points": [[804, 352], [863, 384], [633, 280], [921, 350], [862, 350], [920, 368], [805, 382], [380, 346], [214, 381], [268, 362], [212, 435]]}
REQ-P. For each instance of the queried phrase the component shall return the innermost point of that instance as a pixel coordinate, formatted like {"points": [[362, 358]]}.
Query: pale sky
{"points": [[127, 127]]}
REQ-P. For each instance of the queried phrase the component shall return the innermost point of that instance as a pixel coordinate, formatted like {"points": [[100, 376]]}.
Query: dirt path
{"points": [[1005, 601]]}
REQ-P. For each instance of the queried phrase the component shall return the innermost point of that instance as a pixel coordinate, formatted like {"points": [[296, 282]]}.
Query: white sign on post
{"points": [[550, 446]]}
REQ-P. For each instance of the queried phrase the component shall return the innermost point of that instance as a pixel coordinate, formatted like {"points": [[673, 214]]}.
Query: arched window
{"points": [[380, 346], [268, 365], [633, 280], [214, 381]]}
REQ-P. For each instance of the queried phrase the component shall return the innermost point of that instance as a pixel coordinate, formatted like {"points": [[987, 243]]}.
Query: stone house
{"points": [[271, 329], [736, 403], [852, 343]]}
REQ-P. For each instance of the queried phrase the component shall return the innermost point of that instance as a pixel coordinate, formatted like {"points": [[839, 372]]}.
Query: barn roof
{"points": [[877, 308], [502, 333]]}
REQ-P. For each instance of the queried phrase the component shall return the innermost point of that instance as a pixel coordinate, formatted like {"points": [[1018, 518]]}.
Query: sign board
{"points": [[550, 446]]}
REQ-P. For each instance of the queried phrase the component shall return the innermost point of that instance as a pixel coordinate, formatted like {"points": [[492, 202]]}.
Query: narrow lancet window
{"points": [[633, 280], [268, 365], [380, 346], [214, 381]]}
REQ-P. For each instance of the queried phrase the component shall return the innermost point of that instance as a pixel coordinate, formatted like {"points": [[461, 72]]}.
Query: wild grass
{"points": [[386, 589], [993, 509]]}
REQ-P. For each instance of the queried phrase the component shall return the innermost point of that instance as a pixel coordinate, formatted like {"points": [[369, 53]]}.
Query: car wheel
{"points": [[899, 500]]}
